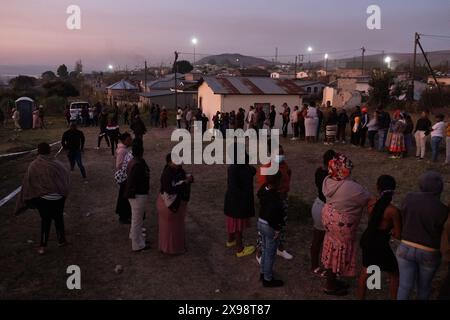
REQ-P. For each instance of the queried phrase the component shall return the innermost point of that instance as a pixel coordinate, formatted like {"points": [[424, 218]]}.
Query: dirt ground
{"points": [[208, 270]]}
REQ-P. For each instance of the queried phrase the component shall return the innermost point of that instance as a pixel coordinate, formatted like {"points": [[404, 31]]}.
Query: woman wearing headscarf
{"points": [[239, 205], [397, 143], [345, 202], [45, 187], [384, 222], [423, 219], [171, 205]]}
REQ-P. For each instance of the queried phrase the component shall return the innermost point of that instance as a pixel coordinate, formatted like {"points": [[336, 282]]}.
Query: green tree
{"points": [[48, 76], [182, 66], [381, 82], [61, 88], [212, 61], [62, 71], [22, 83]]}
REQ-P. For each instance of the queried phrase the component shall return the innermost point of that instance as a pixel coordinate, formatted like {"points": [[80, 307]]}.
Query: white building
{"points": [[226, 94]]}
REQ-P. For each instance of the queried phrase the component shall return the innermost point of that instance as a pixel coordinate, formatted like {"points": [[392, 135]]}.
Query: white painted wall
{"points": [[226, 103], [210, 102]]}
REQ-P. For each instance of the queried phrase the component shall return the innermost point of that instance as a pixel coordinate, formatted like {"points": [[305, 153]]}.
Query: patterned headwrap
{"points": [[340, 167]]}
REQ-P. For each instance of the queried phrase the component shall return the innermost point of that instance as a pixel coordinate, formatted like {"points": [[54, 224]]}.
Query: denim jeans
{"points": [[269, 249], [417, 267], [382, 136], [75, 157], [435, 142]]}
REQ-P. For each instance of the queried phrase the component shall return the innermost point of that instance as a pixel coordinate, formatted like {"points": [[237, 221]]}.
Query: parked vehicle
{"points": [[75, 110]]}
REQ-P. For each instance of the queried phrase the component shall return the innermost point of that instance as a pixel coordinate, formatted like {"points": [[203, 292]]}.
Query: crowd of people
{"points": [[420, 224]]}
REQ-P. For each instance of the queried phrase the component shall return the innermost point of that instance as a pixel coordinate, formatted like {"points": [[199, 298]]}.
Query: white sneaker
{"points": [[284, 254], [258, 259]]}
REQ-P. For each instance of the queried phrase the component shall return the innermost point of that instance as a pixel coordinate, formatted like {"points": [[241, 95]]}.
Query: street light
{"points": [[194, 43], [310, 49], [326, 63], [110, 67], [388, 61]]}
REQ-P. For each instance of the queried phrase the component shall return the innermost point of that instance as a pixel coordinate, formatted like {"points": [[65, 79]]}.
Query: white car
{"points": [[75, 109]]}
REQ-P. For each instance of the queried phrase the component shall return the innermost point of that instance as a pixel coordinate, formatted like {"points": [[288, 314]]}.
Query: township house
{"points": [[226, 94]]}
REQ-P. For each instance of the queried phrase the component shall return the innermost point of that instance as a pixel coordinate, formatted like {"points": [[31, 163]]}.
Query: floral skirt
{"points": [[397, 144], [339, 247]]}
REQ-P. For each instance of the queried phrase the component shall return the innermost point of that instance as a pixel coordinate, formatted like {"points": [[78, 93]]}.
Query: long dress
{"points": [[172, 209], [311, 122], [397, 142], [341, 217]]}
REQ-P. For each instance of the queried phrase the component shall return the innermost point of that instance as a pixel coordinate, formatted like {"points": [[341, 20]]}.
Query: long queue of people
{"points": [[337, 212], [421, 225]]}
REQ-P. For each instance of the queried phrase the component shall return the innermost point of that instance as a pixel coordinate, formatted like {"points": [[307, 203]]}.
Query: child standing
{"points": [[271, 220]]}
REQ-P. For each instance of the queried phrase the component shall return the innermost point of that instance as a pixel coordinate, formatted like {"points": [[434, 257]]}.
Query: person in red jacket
{"points": [[283, 189]]}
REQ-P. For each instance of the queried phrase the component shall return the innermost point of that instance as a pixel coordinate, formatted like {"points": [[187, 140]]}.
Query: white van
{"points": [[75, 109]]}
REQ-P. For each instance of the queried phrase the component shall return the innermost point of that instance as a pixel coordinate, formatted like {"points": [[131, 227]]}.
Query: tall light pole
{"points": [[194, 43], [310, 50], [326, 63], [388, 61]]}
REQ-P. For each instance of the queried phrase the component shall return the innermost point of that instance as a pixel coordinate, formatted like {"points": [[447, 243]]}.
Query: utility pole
{"points": [[295, 71], [413, 76], [145, 77], [382, 60], [175, 69], [276, 55], [363, 50]]}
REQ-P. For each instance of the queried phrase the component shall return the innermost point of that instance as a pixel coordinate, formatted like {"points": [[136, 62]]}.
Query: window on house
{"points": [[308, 89], [316, 89]]}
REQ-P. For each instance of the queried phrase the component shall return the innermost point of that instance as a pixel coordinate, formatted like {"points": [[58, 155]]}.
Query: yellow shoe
{"points": [[246, 252], [231, 244]]}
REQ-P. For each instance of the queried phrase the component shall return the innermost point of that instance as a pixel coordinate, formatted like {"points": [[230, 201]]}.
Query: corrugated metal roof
{"points": [[122, 85], [252, 86]]}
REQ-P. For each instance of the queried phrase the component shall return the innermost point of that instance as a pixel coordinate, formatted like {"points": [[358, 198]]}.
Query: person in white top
{"points": [[437, 135], [311, 123], [179, 117], [294, 122], [251, 118]]}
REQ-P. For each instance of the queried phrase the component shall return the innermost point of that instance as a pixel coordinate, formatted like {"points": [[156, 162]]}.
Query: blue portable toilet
{"points": [[25, 107]]}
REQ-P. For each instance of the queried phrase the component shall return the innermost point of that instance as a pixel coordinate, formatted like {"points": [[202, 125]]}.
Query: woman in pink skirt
{"points": [[345, 202], [172, 207]]}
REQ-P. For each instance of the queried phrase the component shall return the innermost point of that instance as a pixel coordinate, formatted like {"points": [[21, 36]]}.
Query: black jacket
{"points": [[73, 140], [271, 208], [138, 182], [239, 198]]}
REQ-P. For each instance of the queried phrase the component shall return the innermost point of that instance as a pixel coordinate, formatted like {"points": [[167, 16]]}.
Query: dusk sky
{"points": [[127, 32]]}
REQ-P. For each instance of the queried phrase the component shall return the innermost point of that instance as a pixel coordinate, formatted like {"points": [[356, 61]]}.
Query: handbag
{"points": [[121, 175]]}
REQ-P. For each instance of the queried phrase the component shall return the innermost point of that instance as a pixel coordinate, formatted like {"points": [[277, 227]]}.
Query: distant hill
{"points": [[436, 58], [234, 59]]}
